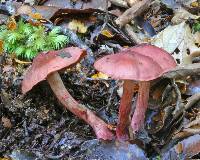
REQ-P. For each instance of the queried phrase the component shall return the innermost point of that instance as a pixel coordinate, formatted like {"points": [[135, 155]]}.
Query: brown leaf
{"points": [[79, 4], [179, 148], [6, 122], [77, 26], [11, 25]]}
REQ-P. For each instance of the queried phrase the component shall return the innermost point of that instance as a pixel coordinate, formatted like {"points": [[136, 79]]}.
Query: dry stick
{"points": [[179, 104], [192, 100], [129, 14], [132, 12]]}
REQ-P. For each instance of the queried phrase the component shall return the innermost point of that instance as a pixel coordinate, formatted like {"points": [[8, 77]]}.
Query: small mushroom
{"points": [[166, 63], [46, 66], [143, 64]]}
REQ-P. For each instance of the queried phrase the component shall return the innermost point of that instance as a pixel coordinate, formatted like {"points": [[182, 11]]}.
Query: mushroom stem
{"points": [[99, 126], [138, 118], [125, 110]]}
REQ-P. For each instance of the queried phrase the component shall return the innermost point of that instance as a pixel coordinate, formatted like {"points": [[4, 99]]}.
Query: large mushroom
{"points": [[142, 66], [46, 66]]}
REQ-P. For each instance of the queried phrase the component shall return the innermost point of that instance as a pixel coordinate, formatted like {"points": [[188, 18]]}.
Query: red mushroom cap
{"points": [[163, 58], [135, 66], [46, 63]]}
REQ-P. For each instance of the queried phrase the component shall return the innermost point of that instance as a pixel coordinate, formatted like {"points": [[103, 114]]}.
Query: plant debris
{"points": [[36, 126]]}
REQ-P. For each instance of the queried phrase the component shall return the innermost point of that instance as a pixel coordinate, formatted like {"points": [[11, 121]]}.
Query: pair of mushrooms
{"points": [[141, 63]]}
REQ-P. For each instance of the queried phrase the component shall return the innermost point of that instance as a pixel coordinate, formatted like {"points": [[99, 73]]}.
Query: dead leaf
{"points": [[170, 38], [182, 15], [31, 2], [99, 75], [179, 148], [11, 25], [195, 4], [78, 4], [25, 9], [178, 37], [77, 26], [132, 2], [36, 15], [107, 33], [6, 122]]}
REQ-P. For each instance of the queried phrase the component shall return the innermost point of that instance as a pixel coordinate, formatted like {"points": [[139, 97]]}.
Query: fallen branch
{"points": [[132, 12]]}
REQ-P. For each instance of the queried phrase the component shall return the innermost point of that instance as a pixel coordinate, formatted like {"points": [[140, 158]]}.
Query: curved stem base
{"points": [[99, 126]]}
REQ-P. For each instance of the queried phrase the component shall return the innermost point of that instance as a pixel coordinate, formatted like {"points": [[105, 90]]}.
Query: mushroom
{"points": [[142, 63], [46, 66], [166, 63]]}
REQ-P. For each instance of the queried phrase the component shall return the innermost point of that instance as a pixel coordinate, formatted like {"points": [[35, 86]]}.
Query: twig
{"points": [[179, 105], [132, 12], [192, 100]]}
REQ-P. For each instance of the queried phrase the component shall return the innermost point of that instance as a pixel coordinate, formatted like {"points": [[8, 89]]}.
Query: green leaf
{"points": [[39, 43], [55, 31], [13, 37], [19, 51]]}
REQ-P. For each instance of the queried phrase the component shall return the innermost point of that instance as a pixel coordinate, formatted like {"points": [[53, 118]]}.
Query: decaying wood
{"points": [[132, 12], [182, 71]]}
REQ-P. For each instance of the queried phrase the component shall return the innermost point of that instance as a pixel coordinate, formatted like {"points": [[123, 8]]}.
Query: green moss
{"points": [[26, 41], [196, 27]]}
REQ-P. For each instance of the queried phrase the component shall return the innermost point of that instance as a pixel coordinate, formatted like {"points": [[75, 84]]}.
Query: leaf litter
{"points": [[32, 127]]}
